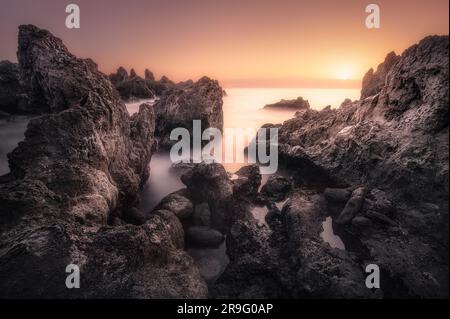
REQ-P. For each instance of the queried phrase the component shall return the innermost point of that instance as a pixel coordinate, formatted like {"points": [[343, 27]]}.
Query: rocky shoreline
{"points": [[377, 166]]}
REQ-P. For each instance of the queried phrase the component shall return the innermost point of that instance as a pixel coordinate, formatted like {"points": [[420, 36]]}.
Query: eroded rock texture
{"points": [[78, 166]]}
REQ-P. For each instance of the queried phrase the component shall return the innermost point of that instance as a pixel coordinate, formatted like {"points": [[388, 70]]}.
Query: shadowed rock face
{"points": [[11, 97], [373, 82], [389, 154], [186, 102], [131, 86], [396, 141], [77, 166]]}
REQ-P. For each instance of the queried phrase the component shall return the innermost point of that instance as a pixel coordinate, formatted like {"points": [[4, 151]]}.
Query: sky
{"points": [[244, 43]]}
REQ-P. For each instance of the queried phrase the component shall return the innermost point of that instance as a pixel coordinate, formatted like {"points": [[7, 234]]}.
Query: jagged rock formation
{"points": [[373, 82], [131, 86], [297, 104], [189, 101], [395, 141], [79, 166]]}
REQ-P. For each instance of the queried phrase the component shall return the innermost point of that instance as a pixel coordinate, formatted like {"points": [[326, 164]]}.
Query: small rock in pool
{"points": [[202, 215], [203, 236]]}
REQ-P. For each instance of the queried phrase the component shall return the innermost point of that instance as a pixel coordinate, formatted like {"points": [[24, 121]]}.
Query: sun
{"points": [[344, 71], [344, 74]]}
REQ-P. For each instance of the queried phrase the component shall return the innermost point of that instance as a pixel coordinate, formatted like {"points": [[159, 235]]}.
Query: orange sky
{"points": [[241, 43]]}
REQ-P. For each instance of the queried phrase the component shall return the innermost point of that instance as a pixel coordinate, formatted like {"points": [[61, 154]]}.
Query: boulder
{"points": [[276, 188], [353, 206], [179, 106], [337, 195], [209, 183], [248, 181], [178, 204], [202, 236], [202, 215]]}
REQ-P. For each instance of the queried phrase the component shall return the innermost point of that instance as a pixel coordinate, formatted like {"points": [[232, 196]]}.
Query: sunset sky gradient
{"points": [[242, 43]]}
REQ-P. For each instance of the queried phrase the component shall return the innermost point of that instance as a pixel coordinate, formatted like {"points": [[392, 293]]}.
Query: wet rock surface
{"points": [[78, 167]]}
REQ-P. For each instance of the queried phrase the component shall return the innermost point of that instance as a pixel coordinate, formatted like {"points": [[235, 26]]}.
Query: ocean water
{"points": [[243, 108]]}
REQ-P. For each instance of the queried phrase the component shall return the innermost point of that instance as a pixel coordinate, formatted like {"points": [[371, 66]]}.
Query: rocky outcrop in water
{"points": [[395, 141], [297, 104], [179, 106], [131, 86], [78, 167]]}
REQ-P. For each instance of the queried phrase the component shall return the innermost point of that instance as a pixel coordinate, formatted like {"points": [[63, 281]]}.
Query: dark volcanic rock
{"points": [[131, 87], [11, 93], [276, 188], [289, 261], [397, 142], [298, 104], [209, 183], [77, 167], [353, 206], [178, 203], [202, 236], [337, 195], [373, 82], [181, 105], [248, 181]]}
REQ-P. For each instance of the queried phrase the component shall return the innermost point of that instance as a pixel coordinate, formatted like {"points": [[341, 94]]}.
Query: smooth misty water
{"points": [[243, 108]]}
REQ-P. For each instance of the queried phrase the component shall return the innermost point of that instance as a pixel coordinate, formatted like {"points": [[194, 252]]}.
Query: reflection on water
{"points": [[329, 236], [11, 133]]}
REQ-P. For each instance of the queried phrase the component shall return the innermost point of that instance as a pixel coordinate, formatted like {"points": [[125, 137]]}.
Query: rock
{"points": [[248, 181], [337, 195], [179, 106], [133, 216], [202, 215], [13, 99], [381, 218], [178, 204], [174, 226], [289, 261], [361, 222], [148, 75], [209, 183], [202, 236], [131, 87], [276, 188], [353, 206], [373, 82], [79, 166], [182, 168], [298, 104]]}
